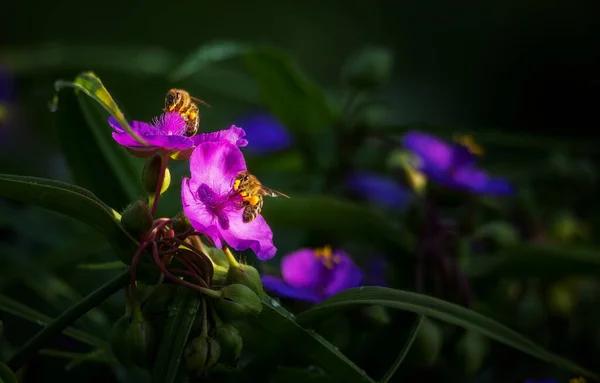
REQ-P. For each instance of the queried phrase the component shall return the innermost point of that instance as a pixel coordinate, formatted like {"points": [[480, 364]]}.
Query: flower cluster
{"points": [[210, 201]]}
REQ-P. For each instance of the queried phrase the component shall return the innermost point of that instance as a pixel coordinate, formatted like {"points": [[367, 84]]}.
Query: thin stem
{"points": [[132, 269], [204, 319], [167, 273], [161, 178], [230, 258], [36, 343]]}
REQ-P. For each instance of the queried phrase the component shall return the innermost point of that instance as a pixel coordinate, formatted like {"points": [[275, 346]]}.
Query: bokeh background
{"points": [[521, 77]]}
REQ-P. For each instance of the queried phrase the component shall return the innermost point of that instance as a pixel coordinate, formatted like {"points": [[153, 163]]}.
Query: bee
{"points": [[180, 101], [252, 192]]}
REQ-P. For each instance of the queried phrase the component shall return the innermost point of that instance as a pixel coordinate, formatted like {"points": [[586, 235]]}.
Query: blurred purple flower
{"points": [[543, 380], [375, 271], [167, 133], [380, 190], [453, 165], [314, 274], [213, 206], [266, 133]]}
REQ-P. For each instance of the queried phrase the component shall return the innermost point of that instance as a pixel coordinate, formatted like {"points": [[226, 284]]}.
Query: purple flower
{"points": [[379, 190], [167, 133], [543, 380], [266, 133], [314, 274], [214, 207], [453, 165]]}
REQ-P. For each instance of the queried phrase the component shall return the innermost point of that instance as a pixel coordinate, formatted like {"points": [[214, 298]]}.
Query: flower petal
{"points": [[279, 287], [479, 181], [345, 275], [381, 190], [233, 135], [200, 217], [216, 164], [255, 235], [433, 152], [302, 268], [171, 142], [265, 133]]}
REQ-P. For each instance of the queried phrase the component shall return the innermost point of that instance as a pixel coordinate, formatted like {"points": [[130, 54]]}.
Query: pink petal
{"points": [[216, 164], [233, 135], [302, 268], [255, 235], [200, 218]]}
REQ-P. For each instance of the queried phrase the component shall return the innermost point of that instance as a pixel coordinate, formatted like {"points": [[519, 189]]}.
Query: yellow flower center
{"points": [[326, 256], [469, 143]]}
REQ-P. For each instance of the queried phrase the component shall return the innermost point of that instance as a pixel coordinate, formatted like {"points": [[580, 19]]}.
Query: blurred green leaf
{"points": [[7, 375], [60, 295], [279, 322], [207, 55], [336, 216], [98, 356], [438, 309], [532, 261], [185, 307], [298, 375], [21, 311], [405, 350], [73, 201], [102, 266]]}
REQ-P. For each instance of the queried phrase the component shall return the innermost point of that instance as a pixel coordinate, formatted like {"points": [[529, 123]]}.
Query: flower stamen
{"points": [[469, 143], [327, 257]]}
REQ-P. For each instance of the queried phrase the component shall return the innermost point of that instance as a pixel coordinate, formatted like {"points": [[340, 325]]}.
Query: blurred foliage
{"points": [[522, 85]]}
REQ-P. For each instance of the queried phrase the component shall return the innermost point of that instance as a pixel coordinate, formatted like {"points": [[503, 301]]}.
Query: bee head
{"points": [[172, 99]]}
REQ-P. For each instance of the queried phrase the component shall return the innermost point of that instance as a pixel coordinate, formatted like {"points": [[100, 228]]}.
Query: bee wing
{"points": [[272, 193], [199, 101]]}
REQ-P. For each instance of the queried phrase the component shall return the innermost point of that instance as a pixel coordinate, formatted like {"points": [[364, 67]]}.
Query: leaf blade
{"points": [[442, 310]]}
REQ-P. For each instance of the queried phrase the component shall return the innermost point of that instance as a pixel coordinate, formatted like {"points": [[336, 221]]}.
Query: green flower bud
{"points": [[181, 223], [117, 341], [245, 275], [561, 299], [7, 375], [151, 175], [238, 301], [201, 354], [369, 68], [231, 344], [471, 351], [140, 340], [136, 219], [428, 344]]}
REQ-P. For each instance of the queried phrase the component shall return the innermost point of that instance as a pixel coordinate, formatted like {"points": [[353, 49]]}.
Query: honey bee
{"points": [[252, 192], [180, 101]]}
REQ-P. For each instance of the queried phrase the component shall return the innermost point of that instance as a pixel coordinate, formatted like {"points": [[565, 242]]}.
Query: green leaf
{"points": [[91, 85], [184, 309], [533, 261], [98, 356], [67, 318], [439, 309], [336, 216], [21, 311], [7, 375], [279, 322], [98, 163], [207, 55], [73, 201], [413, 335], [114, 265]]}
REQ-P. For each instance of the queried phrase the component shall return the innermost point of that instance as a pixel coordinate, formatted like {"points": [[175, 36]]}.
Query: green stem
{"points": [[161, 179], [32, 347], [230, 258]]}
